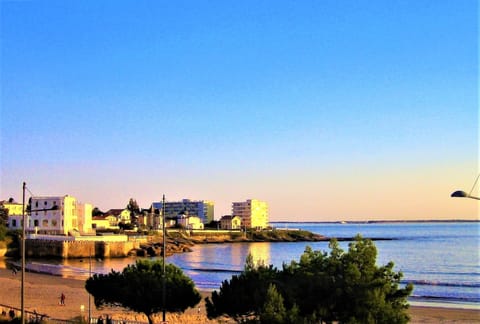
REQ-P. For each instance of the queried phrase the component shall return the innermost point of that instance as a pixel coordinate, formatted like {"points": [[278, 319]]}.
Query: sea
{"points": [[441, 259]]}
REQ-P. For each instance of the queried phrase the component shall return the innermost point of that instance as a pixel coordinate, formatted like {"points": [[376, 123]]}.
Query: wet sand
{"points": [[42, 294]]}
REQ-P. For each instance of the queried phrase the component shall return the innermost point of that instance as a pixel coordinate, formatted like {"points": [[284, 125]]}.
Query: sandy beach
{"points": [[42, 294]]}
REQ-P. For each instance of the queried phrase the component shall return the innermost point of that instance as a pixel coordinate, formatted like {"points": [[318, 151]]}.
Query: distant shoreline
{"points": [[380, 221]]}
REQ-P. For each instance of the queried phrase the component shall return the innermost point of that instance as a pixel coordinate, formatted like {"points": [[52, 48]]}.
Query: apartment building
{"points": [[253, 212], [59, 215], [203, 209]]}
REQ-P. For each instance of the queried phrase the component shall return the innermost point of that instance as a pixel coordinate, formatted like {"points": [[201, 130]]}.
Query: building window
{"points": [[45, 223], [14, 223], [54, 222], [45, 203], [35, 223]]}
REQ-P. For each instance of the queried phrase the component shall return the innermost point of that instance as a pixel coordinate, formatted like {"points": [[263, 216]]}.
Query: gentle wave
{"points": [[442, 284], [445, 298], [459, 273]]}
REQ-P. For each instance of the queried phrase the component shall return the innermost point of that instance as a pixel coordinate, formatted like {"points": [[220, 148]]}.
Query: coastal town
{"points": [[62, 226], [65, 215]]}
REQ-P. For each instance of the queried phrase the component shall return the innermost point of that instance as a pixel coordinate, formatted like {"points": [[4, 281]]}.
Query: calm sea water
{"points": [[441, 259]]}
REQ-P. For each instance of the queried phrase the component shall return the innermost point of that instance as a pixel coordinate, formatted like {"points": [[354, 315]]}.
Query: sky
{"points": [[326, 110]]}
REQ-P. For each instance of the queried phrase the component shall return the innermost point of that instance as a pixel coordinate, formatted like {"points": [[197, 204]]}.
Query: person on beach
{"points": [[62, 299]]}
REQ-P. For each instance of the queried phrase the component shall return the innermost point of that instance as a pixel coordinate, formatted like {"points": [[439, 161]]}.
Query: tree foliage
{"points": [[139, 287], [132, 206], [3, 222], [243, 296], [273, 310], [97, 212], [134, 209], [341, 286]]}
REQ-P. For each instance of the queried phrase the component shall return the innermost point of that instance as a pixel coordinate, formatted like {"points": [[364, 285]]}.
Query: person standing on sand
{"points": [[62, 299]]}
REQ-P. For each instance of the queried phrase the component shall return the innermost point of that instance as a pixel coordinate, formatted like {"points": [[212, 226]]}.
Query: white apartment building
{"points": [[203, 209], [253, 212], [59, 215]]}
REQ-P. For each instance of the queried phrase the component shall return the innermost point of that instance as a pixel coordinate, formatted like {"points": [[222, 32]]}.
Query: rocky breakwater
{"points": [[274, 235], [183, 241], [155, 247]]}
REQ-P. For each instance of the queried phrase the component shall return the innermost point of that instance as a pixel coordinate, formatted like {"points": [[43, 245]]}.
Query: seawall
{"points": [[36, 248]]}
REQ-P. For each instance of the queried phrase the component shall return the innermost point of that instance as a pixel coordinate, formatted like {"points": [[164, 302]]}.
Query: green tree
{"points": [[134, 209], [3, 222], [273, 310], [139, 287], [349, 287], [339, 286], [97, 212], [243, 296]]}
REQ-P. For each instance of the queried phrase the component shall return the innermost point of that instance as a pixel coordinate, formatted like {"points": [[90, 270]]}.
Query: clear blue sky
{"points": [[327, 110]]}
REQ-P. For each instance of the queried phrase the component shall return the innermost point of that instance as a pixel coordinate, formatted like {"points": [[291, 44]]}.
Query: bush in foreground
{"points": [[347, 287]]}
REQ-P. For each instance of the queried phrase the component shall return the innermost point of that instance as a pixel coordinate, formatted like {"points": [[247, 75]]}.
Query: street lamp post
{"points": [[463, 194], [23, 255], [163, 259], [89, 275], [24, 234]]}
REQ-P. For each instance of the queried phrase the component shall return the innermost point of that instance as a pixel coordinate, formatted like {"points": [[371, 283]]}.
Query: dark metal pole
{"points": [[164, 292], [23, 255], [89, 275]]}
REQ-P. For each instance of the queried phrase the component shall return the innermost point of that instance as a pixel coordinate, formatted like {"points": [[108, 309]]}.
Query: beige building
{"points": [[122, 215], [190, 222], [253, 212], [14, 213], [13, 208], [105, 222], [229, 222]]}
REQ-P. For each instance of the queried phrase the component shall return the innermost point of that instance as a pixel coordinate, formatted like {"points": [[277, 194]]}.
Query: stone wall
{"points": [[77, 249]]}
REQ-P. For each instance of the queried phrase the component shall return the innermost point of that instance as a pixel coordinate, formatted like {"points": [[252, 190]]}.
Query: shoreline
{"points": [[384, 221], [413, 302], [42, 293]]}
